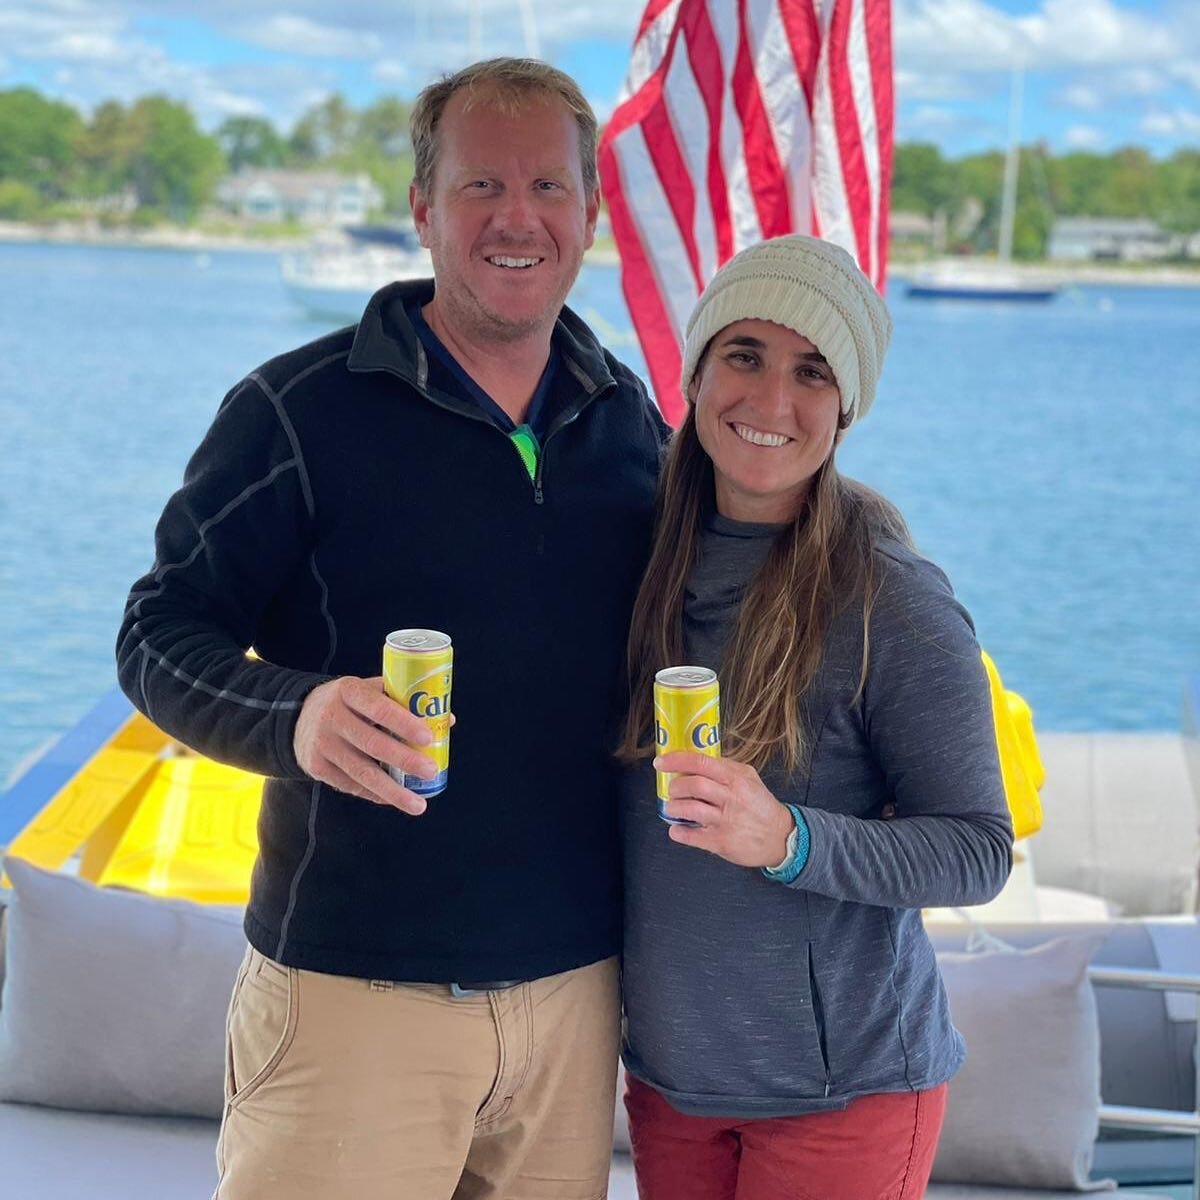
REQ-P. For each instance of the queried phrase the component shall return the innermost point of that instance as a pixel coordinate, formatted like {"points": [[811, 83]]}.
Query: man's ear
{"points": [[591, 215], [420, 213]]}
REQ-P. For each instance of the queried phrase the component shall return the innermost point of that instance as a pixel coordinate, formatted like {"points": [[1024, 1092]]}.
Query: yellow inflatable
{"points": [[1020, 762], [143, 812]]}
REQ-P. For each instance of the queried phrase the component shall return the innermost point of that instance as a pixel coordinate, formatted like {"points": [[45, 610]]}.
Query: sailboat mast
{"points": [[475, 30], [529, 27], [1008, 201]]}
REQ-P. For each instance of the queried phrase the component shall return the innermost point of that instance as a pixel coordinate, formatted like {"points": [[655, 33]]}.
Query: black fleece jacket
{"points": [[336, 497]]}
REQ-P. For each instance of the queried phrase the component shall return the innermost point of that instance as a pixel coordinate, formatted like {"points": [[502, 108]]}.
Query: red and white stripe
{"points": [[742, 120]]}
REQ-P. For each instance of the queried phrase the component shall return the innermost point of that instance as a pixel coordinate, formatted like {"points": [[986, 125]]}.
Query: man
{"points": [[429, 1006]]}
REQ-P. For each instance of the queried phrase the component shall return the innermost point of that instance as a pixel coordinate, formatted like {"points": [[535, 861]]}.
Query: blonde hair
{"points": [[509, 83], [820, 564]]}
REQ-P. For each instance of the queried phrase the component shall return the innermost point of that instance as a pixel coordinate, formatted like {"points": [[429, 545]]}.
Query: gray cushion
{"points": [[3, 935], [46, 1154], [1120, 819], [1023, 1111], [1145, 1059], [114, 1001]]}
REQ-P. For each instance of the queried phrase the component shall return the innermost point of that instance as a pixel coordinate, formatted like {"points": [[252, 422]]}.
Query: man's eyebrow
{"points": [[753, 343]]}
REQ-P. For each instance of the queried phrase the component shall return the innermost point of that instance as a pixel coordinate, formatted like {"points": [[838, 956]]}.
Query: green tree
{"points": [[38, 142], [251, 142], [19, 201], [382, 148], [385, 124], [1077, 183], [981, 177], [374, 141], [1130, 186], [922, 181], [174, 166], [1179, 191], [106, 150], [325, 131]]}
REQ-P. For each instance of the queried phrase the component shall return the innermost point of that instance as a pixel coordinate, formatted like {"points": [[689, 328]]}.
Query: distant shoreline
{"points": [[604, 254], [71, 233], [1064, 274]]}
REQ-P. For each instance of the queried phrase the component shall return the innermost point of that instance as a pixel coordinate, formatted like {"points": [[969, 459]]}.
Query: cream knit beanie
{"points": [[812, 287]]}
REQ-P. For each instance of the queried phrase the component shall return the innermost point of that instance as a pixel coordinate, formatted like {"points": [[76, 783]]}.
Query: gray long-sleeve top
{"points": [[746, 997]]}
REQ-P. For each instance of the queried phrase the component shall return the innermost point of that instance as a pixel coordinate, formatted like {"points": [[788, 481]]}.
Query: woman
{"points": [[787, 1030]]}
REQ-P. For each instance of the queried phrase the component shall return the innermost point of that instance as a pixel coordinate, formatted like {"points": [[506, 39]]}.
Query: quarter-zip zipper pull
{"points": [[561, 423]]}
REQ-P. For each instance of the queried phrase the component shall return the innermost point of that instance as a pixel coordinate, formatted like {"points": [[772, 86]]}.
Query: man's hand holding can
{"points": [[348, 727]]}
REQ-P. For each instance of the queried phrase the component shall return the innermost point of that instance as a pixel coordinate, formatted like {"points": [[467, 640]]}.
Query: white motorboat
{"points": [[339, 272]]}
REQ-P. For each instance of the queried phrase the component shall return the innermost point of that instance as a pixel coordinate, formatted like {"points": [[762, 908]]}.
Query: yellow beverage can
{"points": [[687, 716], [418, 665]]}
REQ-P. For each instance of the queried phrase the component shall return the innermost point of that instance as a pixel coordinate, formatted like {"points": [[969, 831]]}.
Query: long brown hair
{"points": [[821, 563]]}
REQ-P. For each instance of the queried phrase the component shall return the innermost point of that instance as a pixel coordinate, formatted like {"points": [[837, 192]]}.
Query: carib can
{"points": [[687, 716], [417, 668]]}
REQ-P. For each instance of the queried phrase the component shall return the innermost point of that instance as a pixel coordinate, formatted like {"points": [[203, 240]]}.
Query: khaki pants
{"points": [[339, 1087]]}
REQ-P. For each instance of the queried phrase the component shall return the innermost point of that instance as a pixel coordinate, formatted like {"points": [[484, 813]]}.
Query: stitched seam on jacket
{"points": [[294, 888], [329, 623], [218, 693], [231, 507], [276, 399]]}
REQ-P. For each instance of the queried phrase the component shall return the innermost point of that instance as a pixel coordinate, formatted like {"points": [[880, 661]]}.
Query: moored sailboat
{"points": [[999, 280]]}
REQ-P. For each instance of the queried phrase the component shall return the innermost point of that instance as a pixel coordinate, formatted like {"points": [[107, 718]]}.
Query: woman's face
{"points": [[767, 408]]}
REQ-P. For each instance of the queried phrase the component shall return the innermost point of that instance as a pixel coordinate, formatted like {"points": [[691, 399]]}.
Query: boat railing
{"points": [[1154, 1120]]}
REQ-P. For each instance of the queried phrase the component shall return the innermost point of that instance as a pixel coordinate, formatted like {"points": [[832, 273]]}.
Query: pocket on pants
{"points": [[262, 1025]]}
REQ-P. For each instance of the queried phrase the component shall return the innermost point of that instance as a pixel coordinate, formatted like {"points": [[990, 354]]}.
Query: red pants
{"points": [[879, 1148]]}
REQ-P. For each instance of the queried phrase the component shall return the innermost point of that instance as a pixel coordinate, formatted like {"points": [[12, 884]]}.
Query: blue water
{"points": [[1047, 457]]}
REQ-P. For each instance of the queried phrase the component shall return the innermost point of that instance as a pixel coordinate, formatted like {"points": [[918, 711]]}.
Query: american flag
{"points": [[742, 120]]}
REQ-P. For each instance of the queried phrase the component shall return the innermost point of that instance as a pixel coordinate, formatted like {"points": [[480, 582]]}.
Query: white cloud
{"points": [[83, 46], [1186, 72], [1095, 31], [443, 21], [210, 93], [1179, 122], [932, 119], [391, 71], [929, 85], [1095, 90], [1083, 137], [302, 35], [972, 35], [1079, 95], [968, 35], [1140, 81]]}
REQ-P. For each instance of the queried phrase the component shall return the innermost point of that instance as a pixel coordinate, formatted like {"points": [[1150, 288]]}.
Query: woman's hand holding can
{"points": [[737, 816]]}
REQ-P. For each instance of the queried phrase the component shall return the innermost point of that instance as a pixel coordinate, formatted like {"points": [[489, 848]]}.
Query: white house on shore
{"points": [[1111, 239], [323, 198]]}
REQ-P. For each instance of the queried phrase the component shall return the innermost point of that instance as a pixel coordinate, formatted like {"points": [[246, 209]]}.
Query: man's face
{"points": [[506, 218]]}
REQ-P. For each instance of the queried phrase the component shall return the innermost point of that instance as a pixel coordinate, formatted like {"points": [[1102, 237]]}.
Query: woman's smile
{"points": [[758, 437]]}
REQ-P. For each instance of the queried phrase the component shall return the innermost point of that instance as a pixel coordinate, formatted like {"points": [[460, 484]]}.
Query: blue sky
{"points": [[1099, 73]]}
